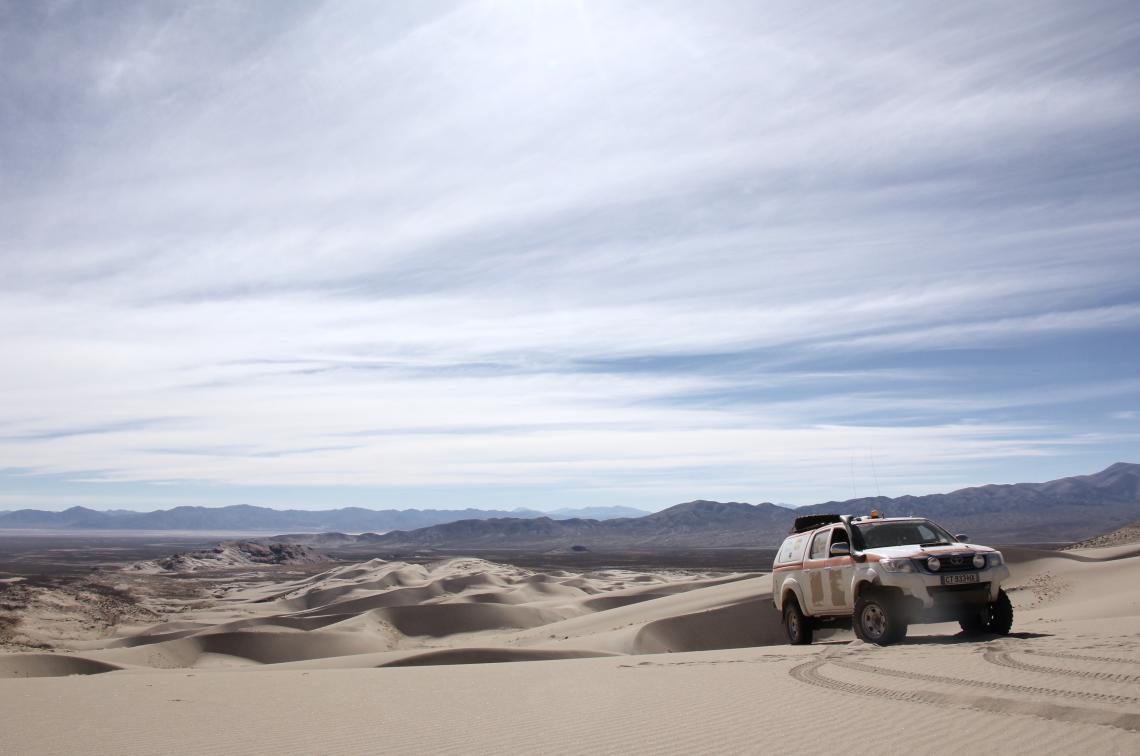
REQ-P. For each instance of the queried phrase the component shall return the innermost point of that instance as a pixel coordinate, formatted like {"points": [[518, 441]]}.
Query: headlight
{"points": [[933, 564], [979, 561], [897, 565], [995, 559]]}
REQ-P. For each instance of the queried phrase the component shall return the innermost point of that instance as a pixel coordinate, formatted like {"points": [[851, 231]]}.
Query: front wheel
{"points": [[796, 625], [974, 622], [1001, 615], [995, 618], [878, 620]]}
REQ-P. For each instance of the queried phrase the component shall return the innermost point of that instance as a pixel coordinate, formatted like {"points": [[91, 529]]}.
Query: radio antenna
{"points": [[876, 473]]}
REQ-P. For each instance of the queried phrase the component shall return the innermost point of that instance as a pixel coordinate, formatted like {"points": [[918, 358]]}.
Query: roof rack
{"points": [[811, 522]]}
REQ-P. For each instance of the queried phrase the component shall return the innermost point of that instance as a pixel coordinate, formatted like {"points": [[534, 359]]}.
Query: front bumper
{"points": [[928, 589]]}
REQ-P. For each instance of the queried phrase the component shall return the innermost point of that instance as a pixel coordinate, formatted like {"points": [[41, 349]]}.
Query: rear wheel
{"points": [[878, 620], [796, 625]]}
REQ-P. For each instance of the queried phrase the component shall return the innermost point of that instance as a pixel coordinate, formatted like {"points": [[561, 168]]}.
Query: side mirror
{"points": [[840, 549], [962, 537]]}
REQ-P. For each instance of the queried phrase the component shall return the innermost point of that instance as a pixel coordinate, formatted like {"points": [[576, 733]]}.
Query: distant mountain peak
{"points": [[699, 504], [1130, 467]]}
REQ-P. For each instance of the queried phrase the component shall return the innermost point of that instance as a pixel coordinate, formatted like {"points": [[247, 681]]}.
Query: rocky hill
{"points": [[233, 555], [1129, 534]]}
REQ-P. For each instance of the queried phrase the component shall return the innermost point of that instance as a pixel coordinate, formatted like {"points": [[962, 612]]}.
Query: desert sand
{"points": [[465, 655]]}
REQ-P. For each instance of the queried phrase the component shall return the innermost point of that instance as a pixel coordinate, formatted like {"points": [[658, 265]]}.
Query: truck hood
{"points": [[909, 552]]}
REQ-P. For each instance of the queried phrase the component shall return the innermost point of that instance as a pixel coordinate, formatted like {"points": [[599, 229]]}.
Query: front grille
{"points": [[951, 563]]}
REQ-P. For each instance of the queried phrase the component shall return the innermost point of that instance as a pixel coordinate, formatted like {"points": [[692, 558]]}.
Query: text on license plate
{"points": [[959, 579]]}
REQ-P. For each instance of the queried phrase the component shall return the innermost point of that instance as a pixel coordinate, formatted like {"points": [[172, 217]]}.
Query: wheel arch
{"points": [[865, 586], [792, 590]]}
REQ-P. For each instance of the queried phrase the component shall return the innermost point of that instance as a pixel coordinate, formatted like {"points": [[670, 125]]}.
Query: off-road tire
{"points": [[1001, 615], [797, 627], [974, 622], [878, 620], [995, 618]]}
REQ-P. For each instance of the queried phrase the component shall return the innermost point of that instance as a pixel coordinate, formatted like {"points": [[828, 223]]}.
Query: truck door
{"points": [[815, 574], [840, 574]]}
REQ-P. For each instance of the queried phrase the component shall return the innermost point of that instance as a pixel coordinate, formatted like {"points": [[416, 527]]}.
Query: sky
{"points": [[563, 253]]}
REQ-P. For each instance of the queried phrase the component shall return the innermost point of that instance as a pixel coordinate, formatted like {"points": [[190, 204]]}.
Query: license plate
{"points": [[959, 579]]}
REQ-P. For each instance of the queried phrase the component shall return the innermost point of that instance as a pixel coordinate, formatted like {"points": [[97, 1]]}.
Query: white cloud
{"points": [[273, 232]]}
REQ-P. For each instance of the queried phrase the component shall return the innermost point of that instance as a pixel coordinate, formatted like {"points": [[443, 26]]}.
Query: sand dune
{"points": [[457, 609], [666, 662], [395, 607], [50, 665], [746, 623]]}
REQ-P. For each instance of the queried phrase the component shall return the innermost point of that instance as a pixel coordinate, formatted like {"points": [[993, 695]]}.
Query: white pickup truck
{"points": [[881, 574]]}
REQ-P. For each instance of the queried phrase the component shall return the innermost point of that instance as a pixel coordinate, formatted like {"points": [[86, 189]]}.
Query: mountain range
{"points": [[250, 519], [1063, 510]]}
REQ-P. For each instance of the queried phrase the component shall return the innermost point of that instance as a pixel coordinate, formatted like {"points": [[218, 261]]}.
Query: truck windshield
{"points": [[875, 535]]}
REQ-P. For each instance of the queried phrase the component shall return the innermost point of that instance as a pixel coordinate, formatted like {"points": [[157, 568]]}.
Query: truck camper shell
{"points": [[811, 522]]}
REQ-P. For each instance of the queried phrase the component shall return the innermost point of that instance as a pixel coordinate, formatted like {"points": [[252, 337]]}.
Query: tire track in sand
{"points": [[1005, 659], [809, 673], [1107, 698], [1081, 657]]}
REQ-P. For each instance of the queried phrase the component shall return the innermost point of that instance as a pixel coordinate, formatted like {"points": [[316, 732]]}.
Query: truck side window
{"points": [[839, 535], [819, 545]]}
